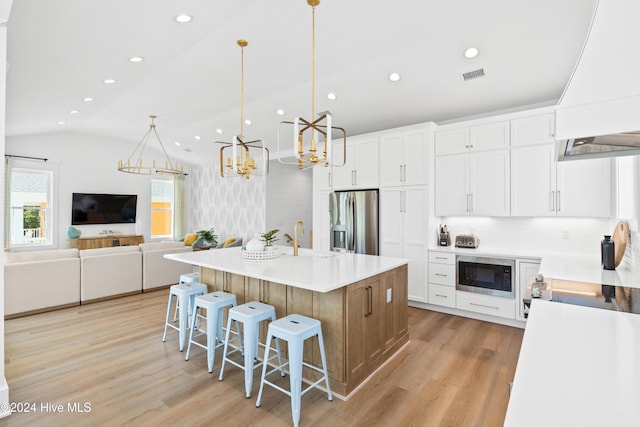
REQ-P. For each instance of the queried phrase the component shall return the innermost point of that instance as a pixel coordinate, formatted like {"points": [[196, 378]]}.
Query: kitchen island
{"points": [[361, 301]]}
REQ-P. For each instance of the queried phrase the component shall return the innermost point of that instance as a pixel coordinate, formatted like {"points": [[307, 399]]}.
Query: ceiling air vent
{"points": [[473, 74]]}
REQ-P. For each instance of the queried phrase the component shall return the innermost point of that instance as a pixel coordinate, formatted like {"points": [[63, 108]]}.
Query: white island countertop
{"points": [[312, 270], [578, 366]]}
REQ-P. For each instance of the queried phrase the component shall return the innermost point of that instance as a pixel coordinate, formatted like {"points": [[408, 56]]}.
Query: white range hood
{"points": [[603, 94]]}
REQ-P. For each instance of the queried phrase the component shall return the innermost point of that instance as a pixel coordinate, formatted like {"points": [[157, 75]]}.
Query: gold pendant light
{"points": [[135, 165], [306, 132], [241, 162]]}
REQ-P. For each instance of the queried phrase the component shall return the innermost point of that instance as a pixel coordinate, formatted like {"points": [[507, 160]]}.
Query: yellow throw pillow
{"points": [[229, 241], [190, 238]]}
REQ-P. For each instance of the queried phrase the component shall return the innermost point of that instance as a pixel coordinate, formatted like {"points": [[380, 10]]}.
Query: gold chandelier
{"points": [[242, 162], [135, 165], [306, 132]]}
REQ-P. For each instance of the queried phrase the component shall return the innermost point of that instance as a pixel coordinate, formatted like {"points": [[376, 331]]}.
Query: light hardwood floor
{"points": [[110, 355]]}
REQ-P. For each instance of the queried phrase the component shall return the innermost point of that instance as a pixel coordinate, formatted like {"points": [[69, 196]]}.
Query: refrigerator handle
{"points": [[354, 223]]}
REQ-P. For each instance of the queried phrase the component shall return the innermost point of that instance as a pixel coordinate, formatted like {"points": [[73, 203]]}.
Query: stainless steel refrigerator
{"points": [[354, 221]]}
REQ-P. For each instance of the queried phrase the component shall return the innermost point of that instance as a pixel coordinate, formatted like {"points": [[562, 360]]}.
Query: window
{"points": [[162, 208], [30, 211]]}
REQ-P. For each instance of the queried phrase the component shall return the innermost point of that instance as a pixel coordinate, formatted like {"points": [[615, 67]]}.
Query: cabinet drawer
{"points": [[442, 295], [442, 274], [442, 257], [485, 304]]}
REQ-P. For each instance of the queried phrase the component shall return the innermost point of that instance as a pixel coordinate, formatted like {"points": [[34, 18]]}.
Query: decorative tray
{"points": [[270, 254]]}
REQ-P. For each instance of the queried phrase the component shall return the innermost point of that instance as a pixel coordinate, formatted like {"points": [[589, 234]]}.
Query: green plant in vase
{"points": [[209, 238], [269, 237]]}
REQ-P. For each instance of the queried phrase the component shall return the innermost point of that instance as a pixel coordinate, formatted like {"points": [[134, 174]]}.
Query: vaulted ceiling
{"points": [[60, 52]]}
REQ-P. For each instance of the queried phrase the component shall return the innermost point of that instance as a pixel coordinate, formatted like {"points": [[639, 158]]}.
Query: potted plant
{"points": [[269, 237], [208, 237]]}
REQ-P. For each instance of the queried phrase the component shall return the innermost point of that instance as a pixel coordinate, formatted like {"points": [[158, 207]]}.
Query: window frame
{"points": [[50, 210], [169, 182]]}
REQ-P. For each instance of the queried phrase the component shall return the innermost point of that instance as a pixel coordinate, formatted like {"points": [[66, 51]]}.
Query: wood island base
{"points": [[364, 323]]}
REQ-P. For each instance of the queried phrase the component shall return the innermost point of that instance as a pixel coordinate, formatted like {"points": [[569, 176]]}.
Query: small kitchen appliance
{"points": [[444, 238], [467, 241]]}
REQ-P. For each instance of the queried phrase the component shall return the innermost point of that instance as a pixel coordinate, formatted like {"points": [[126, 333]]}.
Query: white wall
{"points": [[290, 198], [5, 8], [88, 164]]}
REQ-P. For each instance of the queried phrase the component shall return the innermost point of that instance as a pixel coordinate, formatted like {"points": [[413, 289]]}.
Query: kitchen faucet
{"points": [[295, 236]]}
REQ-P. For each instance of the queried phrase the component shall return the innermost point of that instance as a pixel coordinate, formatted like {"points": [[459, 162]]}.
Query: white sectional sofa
{"points": [[157, 271], [107, 272], [43, 280], [40, 280]]}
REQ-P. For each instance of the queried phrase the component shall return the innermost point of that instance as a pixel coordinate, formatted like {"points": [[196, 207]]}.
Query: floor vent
{"points": [[473, 74]]}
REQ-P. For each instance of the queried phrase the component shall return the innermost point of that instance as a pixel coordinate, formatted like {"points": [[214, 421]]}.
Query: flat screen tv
{"points": [[90, 208]]}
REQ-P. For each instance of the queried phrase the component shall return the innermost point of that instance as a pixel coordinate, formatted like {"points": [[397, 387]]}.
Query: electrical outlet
{"points": [[565, 234], [389, 295]]}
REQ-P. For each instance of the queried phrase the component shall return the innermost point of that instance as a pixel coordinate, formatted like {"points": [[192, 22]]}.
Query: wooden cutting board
{"points": [[621, 236]]}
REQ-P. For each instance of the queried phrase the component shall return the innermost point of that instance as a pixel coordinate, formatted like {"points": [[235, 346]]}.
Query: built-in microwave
{"points": [[484, 275]]}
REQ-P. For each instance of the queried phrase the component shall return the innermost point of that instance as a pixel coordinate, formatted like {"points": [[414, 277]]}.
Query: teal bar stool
{"points": [[184, 294], [250, 315], [295, 329], [213, 305]]}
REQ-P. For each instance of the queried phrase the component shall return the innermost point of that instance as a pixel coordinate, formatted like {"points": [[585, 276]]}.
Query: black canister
{"points": [[607, 253]]}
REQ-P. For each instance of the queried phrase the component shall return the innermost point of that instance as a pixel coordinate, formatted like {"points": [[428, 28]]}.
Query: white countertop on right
{"points": [[584, 268], [578, 366]]}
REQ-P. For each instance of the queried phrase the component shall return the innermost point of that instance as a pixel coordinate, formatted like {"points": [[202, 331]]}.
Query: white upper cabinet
{"points": [[403, 157], [535, 129], [490, 136], [452, 185], [453, 141], [322, 176], [361, 166], [489, 183], [541, 186], [472, 170], [533, 180]]}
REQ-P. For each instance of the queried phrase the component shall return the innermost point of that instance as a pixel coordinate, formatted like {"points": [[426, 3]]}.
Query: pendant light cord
{"points": [[313, 61], [242, 90]]}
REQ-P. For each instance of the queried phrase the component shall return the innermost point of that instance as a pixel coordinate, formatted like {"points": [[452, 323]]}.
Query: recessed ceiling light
{"points": [[182, 19], [218, 130], [472, 52], [280, 112], [331, 96], [247, 122], [74, 111], [177, 143], [109, 81], [197, 137], [136, 59], [61, 122], [88, 99], [394, 77]]}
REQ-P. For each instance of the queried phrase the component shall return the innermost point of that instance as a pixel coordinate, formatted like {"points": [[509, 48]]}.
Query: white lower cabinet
{"points": [[486, 304], [527, 271], [442, 278], [442, 295]]}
